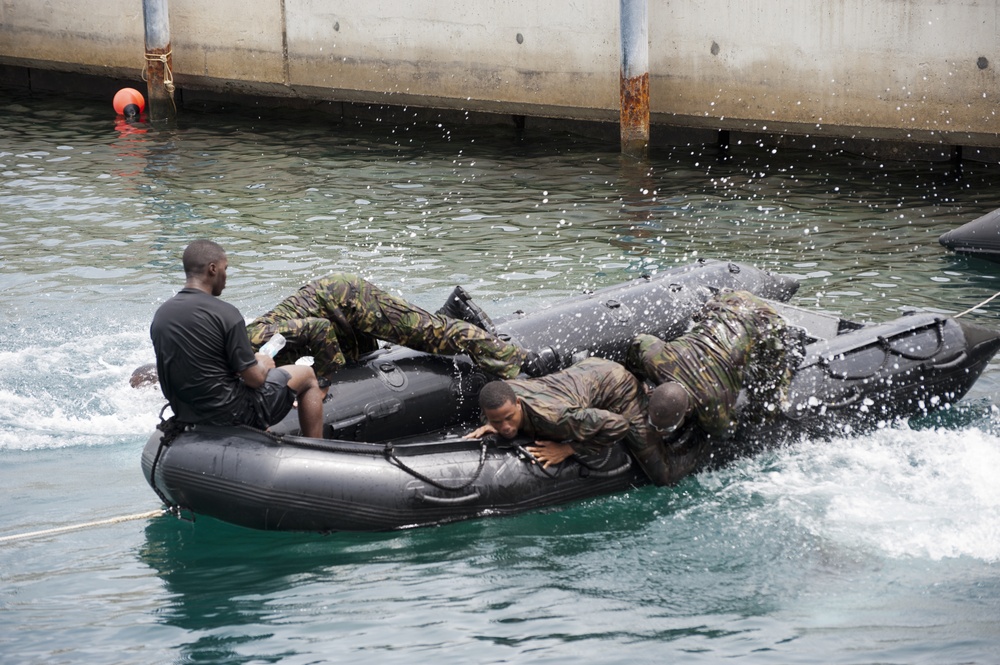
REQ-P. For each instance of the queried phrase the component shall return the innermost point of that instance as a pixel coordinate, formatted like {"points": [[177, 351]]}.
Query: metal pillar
{"points": [[159, 63], [634, 79]]}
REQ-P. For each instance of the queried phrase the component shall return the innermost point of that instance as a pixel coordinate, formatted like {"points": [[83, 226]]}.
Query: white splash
{"points": [[928, 494], [76, 392]]}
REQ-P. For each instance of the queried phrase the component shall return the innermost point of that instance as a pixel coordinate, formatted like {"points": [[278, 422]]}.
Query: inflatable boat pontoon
{"points": [[980, 237], [394, 454]]}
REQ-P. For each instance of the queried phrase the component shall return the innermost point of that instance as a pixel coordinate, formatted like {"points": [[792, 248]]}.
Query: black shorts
{"points": [[274, 399]]}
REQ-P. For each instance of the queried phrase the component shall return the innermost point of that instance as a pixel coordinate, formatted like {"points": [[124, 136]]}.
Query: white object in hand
{"points": [[275, 344]]}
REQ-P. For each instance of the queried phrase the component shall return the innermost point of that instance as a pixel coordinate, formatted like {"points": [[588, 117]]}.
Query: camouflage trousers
{"points": [[338, 318]]}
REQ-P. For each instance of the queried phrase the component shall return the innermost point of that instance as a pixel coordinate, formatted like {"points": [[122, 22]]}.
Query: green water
{"points": [[876, 549]]}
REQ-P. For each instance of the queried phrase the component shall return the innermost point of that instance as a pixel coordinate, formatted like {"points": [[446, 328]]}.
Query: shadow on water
{"points": [[656, 553], [213, 561], [983, 270], [221, 580]]}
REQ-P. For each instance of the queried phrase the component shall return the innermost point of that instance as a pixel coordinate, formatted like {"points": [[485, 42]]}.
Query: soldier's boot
{"points": [[541, 362], [459, 305]]}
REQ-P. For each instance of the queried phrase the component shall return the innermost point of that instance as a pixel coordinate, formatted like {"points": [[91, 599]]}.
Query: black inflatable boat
{"points": [[980, 237], [393, 453]]}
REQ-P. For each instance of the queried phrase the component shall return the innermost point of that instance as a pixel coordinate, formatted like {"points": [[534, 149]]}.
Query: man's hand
{"points": [[265, 360], [550, 453], [255, 375], [481, 432]]}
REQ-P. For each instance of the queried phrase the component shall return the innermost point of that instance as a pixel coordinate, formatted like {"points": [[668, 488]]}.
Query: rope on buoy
{"points": [[974, 307], [74, 527]]}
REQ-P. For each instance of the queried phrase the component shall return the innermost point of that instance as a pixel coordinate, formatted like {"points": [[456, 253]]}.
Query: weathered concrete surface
{"points": [[898, 68], [555, 58], [88, 37], [920, 70]]}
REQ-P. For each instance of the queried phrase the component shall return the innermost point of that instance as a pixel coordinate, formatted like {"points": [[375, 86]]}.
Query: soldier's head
{"points": [[669, 405], [502, 408], [205, 265]]}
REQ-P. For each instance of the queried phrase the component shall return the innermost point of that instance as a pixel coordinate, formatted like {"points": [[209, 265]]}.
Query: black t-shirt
{"points": [[201, 347]]}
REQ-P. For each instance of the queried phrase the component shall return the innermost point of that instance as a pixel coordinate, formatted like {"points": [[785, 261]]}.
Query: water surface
{"points": [[875, 549]]}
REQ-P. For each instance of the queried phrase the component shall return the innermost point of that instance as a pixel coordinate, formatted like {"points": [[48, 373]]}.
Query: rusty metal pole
{"points": [[634, 79], [159, 63]]}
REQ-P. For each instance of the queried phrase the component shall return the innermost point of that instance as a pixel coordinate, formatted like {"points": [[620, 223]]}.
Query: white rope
{"points": [[168, 76], [975, 307], [74, 527]]}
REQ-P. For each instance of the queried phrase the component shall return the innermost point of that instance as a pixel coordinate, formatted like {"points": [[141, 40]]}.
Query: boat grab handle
{"points": [[591, 473], [349, 422], [938, 326], [853, 398], [445, 500], [596, 469], [961, 358]]}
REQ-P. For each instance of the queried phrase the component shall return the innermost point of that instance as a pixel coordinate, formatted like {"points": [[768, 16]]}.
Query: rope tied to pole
{"points": [[168, 76]]}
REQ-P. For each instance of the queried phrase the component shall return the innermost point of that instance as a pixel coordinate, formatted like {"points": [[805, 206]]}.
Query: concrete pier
{"points": [[903, 70]]}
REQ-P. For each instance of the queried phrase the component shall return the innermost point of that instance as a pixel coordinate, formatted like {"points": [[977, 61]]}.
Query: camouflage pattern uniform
{"points": [[341, 317], [738, 341], [591, 404]]}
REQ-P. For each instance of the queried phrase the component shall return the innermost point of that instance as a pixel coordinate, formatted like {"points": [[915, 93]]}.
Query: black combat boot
{"points": [[542, 362], [460, 306]]}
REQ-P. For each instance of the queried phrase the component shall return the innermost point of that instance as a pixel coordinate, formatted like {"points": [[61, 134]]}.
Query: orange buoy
{"points": [[129, 102]]}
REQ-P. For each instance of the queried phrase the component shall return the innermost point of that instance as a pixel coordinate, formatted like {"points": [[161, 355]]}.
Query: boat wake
{"points": [[897, 492], [75, 393]]}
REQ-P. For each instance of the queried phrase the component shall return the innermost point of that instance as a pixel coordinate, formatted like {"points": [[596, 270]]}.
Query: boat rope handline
{"points": [[390, 455], [525, 454], [171, 429], [975, 307], [75, 527], [600, 464], [277, 438], [599, 468]]}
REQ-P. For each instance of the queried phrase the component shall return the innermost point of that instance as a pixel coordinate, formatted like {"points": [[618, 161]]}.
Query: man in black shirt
{"points": [[206, 366]]}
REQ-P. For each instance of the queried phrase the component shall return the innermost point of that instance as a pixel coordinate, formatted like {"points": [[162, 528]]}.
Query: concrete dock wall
{"points": [[905, 70]]}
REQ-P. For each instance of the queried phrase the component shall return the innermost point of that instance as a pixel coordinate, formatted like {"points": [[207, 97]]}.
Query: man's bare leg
{"points": [[310, 399]]}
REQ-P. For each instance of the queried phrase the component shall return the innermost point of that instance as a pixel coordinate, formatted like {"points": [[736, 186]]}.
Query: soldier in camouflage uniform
{"points": [[341, 317], [583, 408], [738, 341]]}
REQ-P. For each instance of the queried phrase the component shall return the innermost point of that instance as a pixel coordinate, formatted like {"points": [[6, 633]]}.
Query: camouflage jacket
{"points": [[738, 341], [591, 405]]}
